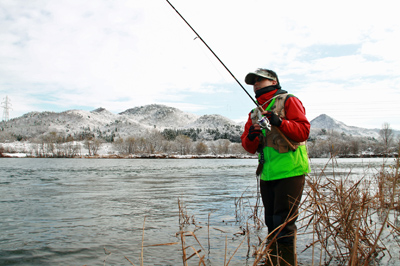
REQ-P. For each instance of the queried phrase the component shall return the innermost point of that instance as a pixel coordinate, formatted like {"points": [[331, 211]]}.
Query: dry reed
{"points": [[345, 219]]}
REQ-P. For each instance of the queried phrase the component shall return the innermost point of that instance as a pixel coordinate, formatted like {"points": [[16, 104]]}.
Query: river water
{"points": [[101, 211]]}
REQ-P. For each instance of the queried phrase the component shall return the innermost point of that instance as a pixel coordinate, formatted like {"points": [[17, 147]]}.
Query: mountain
{"points": [[326, 122], [102, 123], [214, 121], [160, 116], [141, 120]]}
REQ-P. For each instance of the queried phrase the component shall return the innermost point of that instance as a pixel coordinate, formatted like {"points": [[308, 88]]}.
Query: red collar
{"points": [[265, 97]]}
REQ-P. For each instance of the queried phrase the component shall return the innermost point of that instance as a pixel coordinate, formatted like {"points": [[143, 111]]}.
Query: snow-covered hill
{"points": [[68, 123], [140, 120], [159, 116], [327, 123], [102, 123]]}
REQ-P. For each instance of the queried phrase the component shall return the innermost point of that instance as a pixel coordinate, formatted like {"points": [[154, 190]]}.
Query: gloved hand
{"points": [[254, 131], [273, 118]]}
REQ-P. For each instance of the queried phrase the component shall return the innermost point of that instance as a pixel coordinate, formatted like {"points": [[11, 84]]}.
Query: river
{"points": [[97, 211]]}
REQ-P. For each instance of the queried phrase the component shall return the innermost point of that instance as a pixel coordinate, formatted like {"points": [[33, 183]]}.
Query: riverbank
{"points": [[176, 156], [107, 151], [138, 156]]}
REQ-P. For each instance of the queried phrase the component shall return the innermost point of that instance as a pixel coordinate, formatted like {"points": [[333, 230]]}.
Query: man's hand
{"points": [[273, 118], [254, 131]]}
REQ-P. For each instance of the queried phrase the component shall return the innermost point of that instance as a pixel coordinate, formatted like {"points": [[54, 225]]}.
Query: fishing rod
{"points": [[227, 69], [263, 121]]}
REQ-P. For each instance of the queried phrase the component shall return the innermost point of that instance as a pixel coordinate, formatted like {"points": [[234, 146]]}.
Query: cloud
{"points": [[72, 54]]}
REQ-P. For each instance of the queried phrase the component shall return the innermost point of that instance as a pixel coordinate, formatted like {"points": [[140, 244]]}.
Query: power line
{"points": [[6, 104]]}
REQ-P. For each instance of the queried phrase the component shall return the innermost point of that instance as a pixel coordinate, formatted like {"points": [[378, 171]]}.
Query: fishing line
{"points": [[222, 63], [211, 60], [262, 121]]}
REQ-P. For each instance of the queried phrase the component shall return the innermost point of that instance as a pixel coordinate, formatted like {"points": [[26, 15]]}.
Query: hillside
{"points": [[139, 121], [159, 116], [327, 123], [157, 129], [104, 124]]}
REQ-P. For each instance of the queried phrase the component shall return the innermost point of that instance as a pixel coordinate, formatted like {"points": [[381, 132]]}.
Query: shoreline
{"points": [[174, 156], [135, 156]]}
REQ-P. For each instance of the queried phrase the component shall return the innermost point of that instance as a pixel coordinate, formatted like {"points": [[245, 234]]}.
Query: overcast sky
{"points": [[340, 58]]}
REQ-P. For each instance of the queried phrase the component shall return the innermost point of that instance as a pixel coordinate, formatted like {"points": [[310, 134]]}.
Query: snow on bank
{"points": [[15, 155], [16, 147], [19, 149]]}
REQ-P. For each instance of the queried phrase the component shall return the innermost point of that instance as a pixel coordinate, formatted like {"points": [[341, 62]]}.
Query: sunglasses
{"points": [[258, 79]]}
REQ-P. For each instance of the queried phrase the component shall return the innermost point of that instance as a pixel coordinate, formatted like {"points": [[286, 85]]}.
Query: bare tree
{"points": [[130, 144], [155, 141], [237, 148], [386, 134], [73, 149], [88, 145], [141, 145], [223, 146], [354, 146], [220, 146], [201, 148], [96, 146], [183, 144], [119, 145], [93, 145]]}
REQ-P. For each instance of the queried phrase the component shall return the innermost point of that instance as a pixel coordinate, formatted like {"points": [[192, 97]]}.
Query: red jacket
{"points": [[295, 126]]}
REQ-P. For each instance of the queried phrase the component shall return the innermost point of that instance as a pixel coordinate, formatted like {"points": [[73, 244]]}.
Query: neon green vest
{"points": [[278, 160]]}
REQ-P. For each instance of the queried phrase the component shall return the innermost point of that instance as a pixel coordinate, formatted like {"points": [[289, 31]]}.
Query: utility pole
{"points": [[6, 104]]}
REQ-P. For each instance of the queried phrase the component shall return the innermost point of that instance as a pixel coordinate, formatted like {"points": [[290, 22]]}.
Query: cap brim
{"points": [[251, 78]]}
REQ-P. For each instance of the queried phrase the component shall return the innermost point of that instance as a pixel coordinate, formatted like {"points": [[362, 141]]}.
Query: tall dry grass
{"points": [[348, 222]]}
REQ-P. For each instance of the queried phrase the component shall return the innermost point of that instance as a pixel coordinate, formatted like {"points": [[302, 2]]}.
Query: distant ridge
{"points": [[326, 122], [160, 116], [139, 120], [102, 123]]}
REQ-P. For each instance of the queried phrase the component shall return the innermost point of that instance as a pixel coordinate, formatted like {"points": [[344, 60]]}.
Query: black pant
{"points": [[281, 199]]}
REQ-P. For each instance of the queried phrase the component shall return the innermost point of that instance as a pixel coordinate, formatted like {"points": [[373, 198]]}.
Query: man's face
{"points": [[261, 82]]}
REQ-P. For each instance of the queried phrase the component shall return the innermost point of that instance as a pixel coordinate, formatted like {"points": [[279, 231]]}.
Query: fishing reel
{"points": [[264, 123]]}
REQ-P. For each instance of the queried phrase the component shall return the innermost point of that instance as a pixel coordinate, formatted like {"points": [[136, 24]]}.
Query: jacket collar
{"points": [[265, 94]]}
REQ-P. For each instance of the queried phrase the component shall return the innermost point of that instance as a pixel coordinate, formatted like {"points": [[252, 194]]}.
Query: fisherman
{"points": [[282, 167]]}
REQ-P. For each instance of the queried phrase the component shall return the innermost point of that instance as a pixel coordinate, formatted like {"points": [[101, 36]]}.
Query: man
{"points": [[282, 167]]}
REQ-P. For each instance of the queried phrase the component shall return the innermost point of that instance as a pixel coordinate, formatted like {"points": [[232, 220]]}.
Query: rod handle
{"points": [[292, 147]]}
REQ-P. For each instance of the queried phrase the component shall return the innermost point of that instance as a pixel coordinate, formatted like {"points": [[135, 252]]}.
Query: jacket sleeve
{"points": [[248, 145], [296, 126]]}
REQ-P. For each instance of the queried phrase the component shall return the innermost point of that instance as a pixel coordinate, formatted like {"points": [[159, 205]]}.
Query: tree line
{"points": [[200, 142], [326, 143]]}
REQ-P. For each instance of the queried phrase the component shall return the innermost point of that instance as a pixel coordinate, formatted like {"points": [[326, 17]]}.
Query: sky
{"points": [[340, 58]]}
